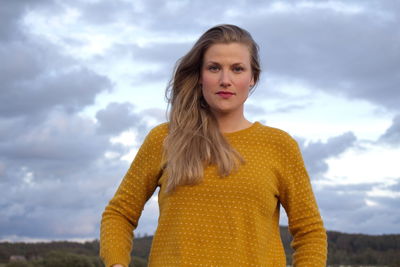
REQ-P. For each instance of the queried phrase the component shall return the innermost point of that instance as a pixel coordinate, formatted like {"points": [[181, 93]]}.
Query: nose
{"points": [[225, 80]]}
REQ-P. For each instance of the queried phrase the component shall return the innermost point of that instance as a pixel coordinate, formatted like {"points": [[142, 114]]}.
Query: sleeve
{"points": [[122, 213], [297, 198]]}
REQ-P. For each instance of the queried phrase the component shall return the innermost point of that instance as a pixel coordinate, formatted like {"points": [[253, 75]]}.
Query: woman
{"points": [[222, 178]]}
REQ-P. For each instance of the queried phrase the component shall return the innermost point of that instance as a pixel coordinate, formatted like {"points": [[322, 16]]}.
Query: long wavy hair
{"points": [[194, 139]]}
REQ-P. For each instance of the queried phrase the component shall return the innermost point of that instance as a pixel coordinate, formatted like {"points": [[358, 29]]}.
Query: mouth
{"points": [[226, 93]]}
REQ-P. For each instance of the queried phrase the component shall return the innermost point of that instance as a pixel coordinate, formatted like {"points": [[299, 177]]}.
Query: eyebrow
{"points": [[214, 62]]}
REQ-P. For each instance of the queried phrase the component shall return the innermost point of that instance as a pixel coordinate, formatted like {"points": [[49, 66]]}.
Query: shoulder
{"points": [[155, 137], [273, 134], [159, 131], [279, 140]]}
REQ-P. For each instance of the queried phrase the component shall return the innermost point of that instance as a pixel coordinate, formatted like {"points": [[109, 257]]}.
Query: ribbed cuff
{"points": [[116, 259]]}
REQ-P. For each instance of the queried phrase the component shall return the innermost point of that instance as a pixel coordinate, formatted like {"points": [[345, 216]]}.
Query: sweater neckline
{"points": [[242, 131]]}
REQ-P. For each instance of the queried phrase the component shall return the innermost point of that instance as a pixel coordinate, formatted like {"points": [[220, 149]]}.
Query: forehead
{"points": [[229, 53]]}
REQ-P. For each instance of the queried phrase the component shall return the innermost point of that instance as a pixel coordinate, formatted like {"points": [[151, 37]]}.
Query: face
{"points": [[226, 77]]}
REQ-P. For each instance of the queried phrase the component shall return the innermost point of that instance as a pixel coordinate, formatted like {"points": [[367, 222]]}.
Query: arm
{"points": [[305, 223], [121, 215]]}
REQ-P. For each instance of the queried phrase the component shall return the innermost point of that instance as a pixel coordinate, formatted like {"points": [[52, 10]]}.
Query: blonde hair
{"points": [[194, 140]]}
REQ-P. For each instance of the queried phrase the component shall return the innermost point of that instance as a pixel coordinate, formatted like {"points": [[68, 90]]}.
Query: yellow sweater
{"points": [[230, 221]]}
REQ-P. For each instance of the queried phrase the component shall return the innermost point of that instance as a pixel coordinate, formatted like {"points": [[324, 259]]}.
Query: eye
{"points": [[213, 68], [237, 69]]}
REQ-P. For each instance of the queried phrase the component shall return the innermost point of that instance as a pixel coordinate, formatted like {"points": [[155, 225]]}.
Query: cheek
{"points": [[244, 84], [208, 82]]}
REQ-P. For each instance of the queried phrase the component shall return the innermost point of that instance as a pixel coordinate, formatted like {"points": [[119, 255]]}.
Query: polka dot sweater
{"points": [[223, 221]]}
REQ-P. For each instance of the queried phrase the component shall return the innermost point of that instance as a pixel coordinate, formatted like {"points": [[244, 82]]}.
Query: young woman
{"points": [[222, 178]]}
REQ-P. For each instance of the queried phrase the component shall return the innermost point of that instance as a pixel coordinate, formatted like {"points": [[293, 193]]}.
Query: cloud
{"points": [[117, 117], [56, 177], [58, 167], [146, 16], [307, 43], [395, 187], [56, 208], [315, 153], [316, 46], [37, 77], [303, 42], [53, 169], [59, 138], [352, 209], [35, 74], [105, 12], [12, 13], [392, 134]]}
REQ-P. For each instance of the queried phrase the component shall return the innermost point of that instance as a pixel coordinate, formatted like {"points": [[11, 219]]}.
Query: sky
{"points": [[82, 82]]}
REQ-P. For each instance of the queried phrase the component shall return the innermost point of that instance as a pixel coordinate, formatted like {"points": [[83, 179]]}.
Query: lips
{"points": [[225, 93]]}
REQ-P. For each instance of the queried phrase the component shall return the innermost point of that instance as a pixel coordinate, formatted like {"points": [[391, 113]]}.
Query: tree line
{"points": [[343, 249]]}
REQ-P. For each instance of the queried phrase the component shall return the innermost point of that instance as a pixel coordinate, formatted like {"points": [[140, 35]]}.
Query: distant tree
{"points": [[138, 262], [344, 249], [65, 259], [18, 264], [96, 261], [92, 246]]}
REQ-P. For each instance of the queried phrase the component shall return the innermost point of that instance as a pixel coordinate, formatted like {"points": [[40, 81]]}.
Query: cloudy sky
{"points": [[82, 82]]}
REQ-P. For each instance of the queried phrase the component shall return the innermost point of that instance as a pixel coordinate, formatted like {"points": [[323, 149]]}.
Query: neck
{"points": [[232, 122]]}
